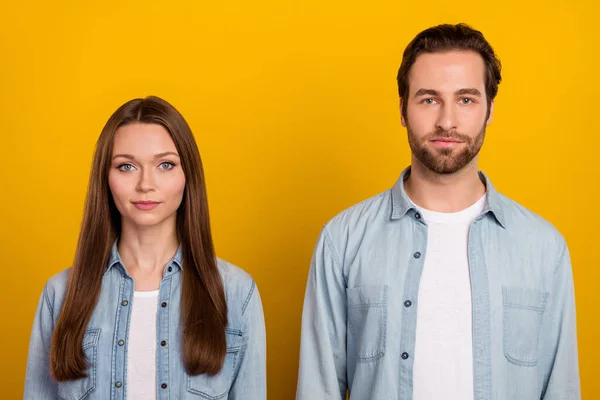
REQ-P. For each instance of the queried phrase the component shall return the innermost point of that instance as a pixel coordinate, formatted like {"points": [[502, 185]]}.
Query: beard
{"points": [[445, 160]]}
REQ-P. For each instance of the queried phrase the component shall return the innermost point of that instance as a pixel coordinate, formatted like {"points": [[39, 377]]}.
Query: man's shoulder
{"points": [[527, 222], [371, 210]]}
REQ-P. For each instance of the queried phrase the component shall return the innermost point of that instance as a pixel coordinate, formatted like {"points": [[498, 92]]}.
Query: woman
{"points": [[147, 311]]}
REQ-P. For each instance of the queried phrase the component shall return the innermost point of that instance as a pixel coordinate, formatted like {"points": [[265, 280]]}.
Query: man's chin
{"points": [[443, 165]]}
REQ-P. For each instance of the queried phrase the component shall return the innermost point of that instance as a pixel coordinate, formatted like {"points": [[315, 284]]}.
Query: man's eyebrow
{"points": [[431, 92], [423, 92], [471, 91]]}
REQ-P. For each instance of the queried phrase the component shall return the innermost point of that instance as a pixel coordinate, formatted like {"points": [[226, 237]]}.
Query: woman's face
{"points": [[145, 177]]}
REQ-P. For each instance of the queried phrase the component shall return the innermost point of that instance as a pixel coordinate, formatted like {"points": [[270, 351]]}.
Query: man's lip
{"points": [[447, 140]]}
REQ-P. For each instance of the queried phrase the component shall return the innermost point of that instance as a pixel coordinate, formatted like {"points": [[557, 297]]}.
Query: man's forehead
{"points": [[452, 69], [449, 57]]}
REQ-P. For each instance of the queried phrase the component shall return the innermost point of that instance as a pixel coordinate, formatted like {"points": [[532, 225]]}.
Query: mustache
{"points": [[452, 134]]}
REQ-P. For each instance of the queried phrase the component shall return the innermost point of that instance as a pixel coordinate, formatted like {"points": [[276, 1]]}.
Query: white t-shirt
{"points": [[443, 366], [141, 349]]}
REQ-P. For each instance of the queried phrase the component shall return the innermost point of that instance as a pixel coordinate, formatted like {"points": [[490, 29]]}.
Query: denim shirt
{"points": [[360, 308], [105, 341]]}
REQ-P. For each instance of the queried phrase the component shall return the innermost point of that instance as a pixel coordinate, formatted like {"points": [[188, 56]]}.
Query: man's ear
{"points": [[491, 114], [402, 119]]}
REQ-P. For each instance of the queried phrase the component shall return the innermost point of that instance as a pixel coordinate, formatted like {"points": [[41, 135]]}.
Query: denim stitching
{"points": [[248, 298]]}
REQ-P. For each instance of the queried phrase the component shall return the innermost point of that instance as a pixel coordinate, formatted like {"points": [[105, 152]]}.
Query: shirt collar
{"points": [[401, 204], [115, 259]]}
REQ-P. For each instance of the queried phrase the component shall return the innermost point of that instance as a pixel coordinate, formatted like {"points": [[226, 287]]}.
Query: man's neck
{"points": [[444, 192]]}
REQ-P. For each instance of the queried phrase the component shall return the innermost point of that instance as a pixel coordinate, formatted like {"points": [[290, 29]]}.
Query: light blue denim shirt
{"points": [[105, 341], [360, 307]]}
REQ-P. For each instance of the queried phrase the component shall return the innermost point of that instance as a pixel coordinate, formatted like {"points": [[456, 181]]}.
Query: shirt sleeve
{"points": [[39, 385], [250, 382], [322, 372], [561, 367]]}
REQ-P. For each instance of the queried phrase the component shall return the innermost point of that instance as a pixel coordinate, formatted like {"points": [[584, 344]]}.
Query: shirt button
{"points": [[124, 303], [164, 304], [169, 269], [418, 216], [417, 255], [404, 356], [118, 385], [163, 343], [164, 386], [121, 342], [407, 303]]}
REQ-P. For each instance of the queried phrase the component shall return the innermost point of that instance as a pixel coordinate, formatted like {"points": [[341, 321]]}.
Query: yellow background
{"points": [[295, 111]]}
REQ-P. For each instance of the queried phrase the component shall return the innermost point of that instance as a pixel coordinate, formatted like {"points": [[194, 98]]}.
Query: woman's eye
{"points": [[125, 167], [166, 165]]}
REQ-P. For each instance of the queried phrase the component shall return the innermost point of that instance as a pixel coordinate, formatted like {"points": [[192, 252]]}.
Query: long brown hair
{"points": [[203, 305], [446, 37]]}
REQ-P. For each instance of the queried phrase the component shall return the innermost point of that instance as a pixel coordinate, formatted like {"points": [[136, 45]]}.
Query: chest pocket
{"points": [[367, 321], [218, 386], [81, 388], [523, 312]]}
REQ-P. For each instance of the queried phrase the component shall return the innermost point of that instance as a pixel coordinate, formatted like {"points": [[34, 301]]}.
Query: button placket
{"points": [[162, 333], [411, 291], [121, 331]]}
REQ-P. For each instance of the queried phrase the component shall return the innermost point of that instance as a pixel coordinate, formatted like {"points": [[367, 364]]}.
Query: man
{"points": [[441, 288]]}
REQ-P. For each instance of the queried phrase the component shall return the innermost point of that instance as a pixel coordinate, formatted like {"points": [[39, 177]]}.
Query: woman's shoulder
{"points": [[234, 278], [58, 282], [56, 287], [238, 284]]}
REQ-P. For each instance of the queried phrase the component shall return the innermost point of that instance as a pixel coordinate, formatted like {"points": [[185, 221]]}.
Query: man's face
{"points": [[447, 112]]}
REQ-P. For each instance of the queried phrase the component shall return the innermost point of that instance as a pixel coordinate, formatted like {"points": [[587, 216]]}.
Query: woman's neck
{"points": [[145, 252]]}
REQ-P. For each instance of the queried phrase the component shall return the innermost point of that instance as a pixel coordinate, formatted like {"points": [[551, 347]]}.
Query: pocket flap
{"points": [[234, 340], [367, 295], [90, 338], [520, 297]]}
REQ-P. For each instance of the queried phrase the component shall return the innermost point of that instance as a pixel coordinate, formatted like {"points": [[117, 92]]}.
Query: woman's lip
{"points": [[145, 205]]}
